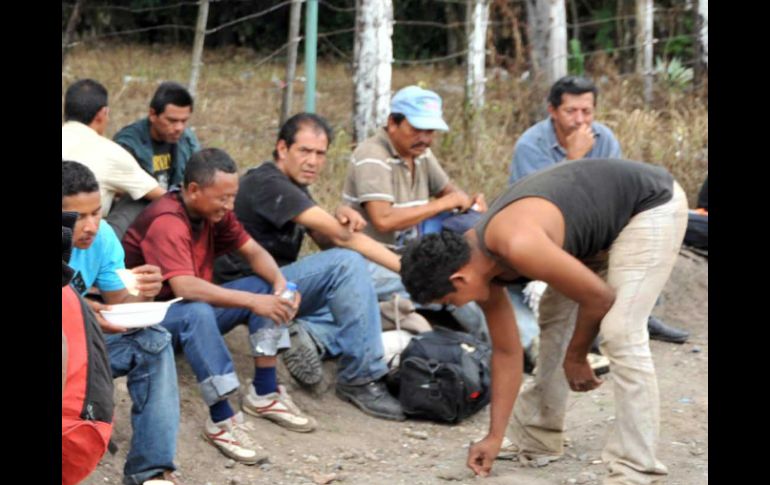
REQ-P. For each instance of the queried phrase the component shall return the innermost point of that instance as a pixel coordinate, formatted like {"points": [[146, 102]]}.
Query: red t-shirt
{"points": [[163, 235]]}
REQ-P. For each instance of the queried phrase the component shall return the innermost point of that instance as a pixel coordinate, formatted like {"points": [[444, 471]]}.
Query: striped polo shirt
{"points": [[376, 172]]}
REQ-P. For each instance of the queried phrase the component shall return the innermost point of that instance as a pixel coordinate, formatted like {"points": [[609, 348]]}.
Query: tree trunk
{"points": [[291, 59], [703, 35], [557, 40], [537, 27], [644, 13], [200, 37], [372, 66], [547, 21], [70, 32], [474, 80]]}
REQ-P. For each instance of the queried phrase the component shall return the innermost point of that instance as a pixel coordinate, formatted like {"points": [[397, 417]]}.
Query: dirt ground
{"points": [[350, 447]]}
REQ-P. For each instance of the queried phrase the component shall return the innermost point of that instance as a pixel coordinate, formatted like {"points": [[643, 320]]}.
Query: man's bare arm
{"points": [[387, 218], [507, 368], [154, 193], [263, 264], [196, 289], [323, 225], [477, 200], [149, 282], [536, 256]]}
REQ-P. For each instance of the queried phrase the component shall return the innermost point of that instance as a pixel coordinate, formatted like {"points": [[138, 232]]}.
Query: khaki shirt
{"points": [[377, 173]]}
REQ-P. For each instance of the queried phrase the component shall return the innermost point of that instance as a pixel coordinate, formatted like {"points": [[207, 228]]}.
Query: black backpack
{"points": [[444, 375]]}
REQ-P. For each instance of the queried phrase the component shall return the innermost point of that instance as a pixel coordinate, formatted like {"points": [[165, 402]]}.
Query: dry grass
{"points": [[237, 108]]}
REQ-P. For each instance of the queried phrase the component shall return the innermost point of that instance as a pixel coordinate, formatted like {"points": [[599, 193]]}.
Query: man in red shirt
{"points": [[182, 233]]}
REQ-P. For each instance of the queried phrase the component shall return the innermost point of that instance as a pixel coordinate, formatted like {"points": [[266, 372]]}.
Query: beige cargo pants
{"points": [[637, 267]]}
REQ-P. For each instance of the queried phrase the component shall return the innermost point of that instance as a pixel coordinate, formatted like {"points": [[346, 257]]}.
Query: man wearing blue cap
{"points": [[394, 174], [398, 185]]}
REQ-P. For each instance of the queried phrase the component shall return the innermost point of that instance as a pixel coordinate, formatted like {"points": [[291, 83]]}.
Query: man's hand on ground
{"points": [[482, 455]]}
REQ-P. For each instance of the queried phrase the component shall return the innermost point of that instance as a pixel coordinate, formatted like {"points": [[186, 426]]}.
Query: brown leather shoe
{"points": [[168, 476]]}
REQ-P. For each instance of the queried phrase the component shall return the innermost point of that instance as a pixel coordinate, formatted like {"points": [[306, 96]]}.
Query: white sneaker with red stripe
{"points": [[231, 437], [278, 408]]}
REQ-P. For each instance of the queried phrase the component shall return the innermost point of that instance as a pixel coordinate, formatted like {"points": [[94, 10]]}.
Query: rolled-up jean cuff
{"points": [[140, 478], [216, 388], [267, 341]]}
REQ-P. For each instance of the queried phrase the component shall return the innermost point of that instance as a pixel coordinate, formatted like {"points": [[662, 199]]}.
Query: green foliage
{"points": [[673, 73], [679, 46], [576, 60], [606, 30]]}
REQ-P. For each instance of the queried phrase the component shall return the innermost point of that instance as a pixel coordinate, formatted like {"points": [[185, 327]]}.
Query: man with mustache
{"points": [[339, 315], [570, 133], [396, 183], [393, 175]]}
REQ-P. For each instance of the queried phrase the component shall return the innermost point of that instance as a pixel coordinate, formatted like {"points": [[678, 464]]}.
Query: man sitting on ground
{"points": [[145, 356], [398, 186], [339, 304], [161, 143], [182, 233], [84, 365], [86, 116], [570, 133]]}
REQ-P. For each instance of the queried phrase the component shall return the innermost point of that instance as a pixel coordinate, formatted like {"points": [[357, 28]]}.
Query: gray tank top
{"points": [[597, 198]]}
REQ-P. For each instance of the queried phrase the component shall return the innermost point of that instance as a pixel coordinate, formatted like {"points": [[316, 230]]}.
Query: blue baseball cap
{"points": [[421, 107]]}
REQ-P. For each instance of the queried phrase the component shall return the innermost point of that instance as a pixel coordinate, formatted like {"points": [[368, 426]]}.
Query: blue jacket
{"points": [[136, 139]]}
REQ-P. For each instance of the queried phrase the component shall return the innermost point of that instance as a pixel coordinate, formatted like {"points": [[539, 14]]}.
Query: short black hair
{"points": [[83, 100], [571, 85], [428, 263], [397, 117], [290, 127], [204, 164], [170, 92], [76, 178]]}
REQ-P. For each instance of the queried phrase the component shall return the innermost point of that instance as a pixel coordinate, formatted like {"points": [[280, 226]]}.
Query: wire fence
{"points": [[348, 6]]}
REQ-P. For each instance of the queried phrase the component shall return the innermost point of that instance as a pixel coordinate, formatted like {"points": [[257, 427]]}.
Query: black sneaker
{"points": [[302, 358], [373, 399]]}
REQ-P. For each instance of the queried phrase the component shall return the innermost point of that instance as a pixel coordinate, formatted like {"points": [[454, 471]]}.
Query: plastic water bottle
{"points": [[271, 339], [289, 292]]}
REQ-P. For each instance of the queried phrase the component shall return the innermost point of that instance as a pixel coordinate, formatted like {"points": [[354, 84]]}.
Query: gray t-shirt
{"points": [[597, 198]]}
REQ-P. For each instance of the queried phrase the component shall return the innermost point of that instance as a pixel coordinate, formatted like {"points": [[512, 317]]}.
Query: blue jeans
{"points": [[194, 328], [146, 357], [339, 309], [469, 316]]}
